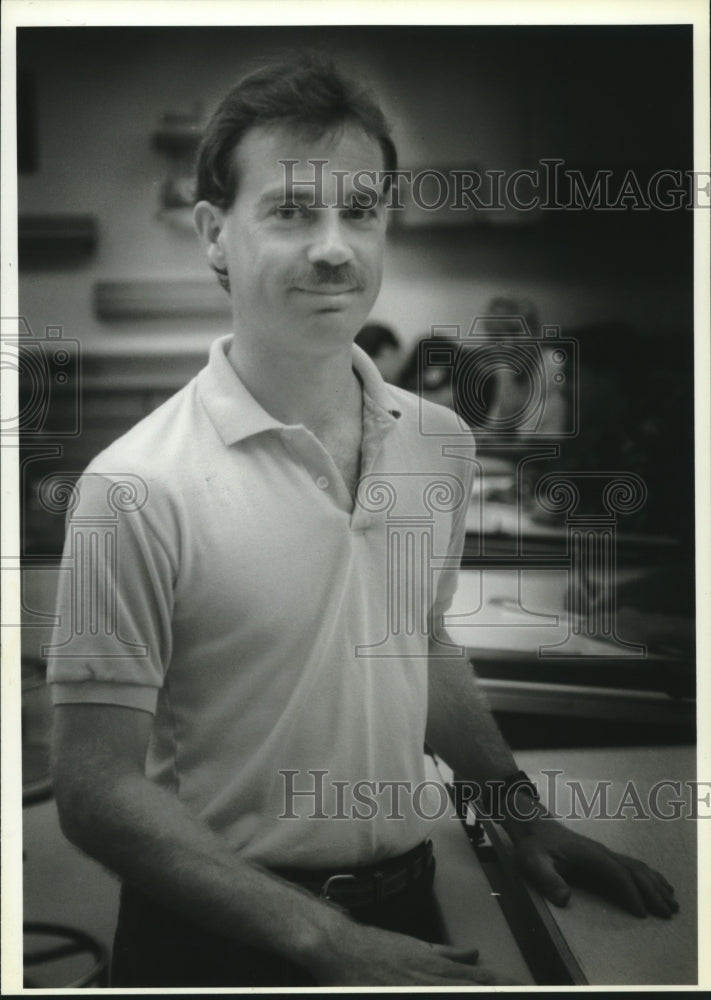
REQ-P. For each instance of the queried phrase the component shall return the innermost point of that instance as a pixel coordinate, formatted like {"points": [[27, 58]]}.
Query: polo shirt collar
{"points": [[378, 391], [233, 410], [237, 415]]}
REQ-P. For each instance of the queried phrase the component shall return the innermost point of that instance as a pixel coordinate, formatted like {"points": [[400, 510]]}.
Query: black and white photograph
{"points": [[355, 496]]}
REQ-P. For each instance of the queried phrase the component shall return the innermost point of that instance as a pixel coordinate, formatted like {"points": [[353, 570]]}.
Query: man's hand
{"points": [[368, 956], [461, 729], [553, 856]]}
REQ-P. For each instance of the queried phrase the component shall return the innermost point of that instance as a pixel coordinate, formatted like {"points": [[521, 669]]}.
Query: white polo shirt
{"points": [[218, 574]]}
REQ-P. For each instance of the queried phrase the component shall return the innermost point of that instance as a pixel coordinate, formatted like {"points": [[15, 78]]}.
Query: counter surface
{"points": [[609, 946]]}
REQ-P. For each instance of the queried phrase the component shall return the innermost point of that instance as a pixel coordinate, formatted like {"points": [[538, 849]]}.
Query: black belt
{"points": [[365, 886]]}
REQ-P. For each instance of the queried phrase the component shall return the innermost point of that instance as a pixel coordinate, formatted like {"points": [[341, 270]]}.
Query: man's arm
{"points": [[145, 834], [461, 729]]}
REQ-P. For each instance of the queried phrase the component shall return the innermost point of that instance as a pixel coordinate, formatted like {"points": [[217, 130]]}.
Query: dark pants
{"points": [[156, 947]]}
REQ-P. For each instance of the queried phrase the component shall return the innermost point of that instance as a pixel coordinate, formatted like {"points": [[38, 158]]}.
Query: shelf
{"points": [[55, 241], [194, 298]]}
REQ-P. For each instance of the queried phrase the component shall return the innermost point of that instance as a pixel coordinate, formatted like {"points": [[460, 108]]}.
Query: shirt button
{"points": [[322, 483]]}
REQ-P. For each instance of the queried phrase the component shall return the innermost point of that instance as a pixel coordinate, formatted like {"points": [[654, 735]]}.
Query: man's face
{"points": [[303, 278]]}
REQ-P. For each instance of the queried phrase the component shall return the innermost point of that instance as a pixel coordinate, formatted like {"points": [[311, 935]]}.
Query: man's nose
{"points": [[330, 243]]}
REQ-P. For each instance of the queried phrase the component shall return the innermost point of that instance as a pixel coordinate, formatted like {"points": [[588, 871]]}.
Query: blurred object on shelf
{"points": [[177, 138], [159, 298], [636, 414], [380, 343], [513, 398], [55, 241]]}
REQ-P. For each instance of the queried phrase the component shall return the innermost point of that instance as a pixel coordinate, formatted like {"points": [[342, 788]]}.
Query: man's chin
{"points": [[332, 327]]}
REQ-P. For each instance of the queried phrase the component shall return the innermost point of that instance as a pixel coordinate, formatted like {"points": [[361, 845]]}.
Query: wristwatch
{"points": [[520, 780], [499, 794]]}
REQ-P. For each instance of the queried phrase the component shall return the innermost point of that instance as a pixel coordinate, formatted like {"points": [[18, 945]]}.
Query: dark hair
{"points": [[307, 94]]}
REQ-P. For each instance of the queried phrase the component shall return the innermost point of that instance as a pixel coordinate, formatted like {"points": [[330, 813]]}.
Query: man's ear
{"points": [[209, 221]]}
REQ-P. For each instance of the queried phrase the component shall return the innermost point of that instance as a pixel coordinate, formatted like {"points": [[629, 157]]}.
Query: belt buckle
{"points": [[326, 887]]}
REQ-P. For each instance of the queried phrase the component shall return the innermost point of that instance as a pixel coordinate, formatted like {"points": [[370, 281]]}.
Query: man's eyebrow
{"points": [[288, 192], [303, 194]]}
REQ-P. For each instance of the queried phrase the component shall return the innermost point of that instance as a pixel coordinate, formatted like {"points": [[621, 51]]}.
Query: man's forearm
{"points": [[460, 726], [148, 837], [462, 730], [155, 842]]}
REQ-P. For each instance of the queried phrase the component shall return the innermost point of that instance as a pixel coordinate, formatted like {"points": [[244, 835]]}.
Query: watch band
{"points": [[520, 780], [499, 794]]}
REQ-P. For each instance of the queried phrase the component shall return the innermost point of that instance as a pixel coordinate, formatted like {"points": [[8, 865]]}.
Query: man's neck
{"points": [[320, 392]]}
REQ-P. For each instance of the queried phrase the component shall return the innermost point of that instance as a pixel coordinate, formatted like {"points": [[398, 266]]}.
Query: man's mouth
{"points": [[326, 290]]}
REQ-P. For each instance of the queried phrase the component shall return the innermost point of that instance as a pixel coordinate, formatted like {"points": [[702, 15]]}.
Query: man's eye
{"points": [[360, 212], [287, 212]]}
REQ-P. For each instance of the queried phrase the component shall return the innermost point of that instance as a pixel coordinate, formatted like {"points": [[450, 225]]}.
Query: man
{"points": [[247, 653]]}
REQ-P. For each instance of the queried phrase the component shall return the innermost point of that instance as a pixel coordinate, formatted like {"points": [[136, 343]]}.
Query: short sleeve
{"points": [[112, 640]]}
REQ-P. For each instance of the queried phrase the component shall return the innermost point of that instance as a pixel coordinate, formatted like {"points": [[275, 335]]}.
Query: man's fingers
{"points": [[665, 887], [656, 897], [482, 976], [485, 977], [457, 967], [614, 879], [637, 887], [479, 974], [539, 867], [666, 890], [467, 955], [553, 861], [398, 959]]}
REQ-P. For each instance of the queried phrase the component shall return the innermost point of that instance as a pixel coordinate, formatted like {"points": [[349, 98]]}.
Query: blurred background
{"points": [[99, 108], [119, 310], [109, 120]]}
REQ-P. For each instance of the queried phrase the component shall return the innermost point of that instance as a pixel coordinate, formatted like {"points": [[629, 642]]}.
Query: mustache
{"points": [[329, 274]]}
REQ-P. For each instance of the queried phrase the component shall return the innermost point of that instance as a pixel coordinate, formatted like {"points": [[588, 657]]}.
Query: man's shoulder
{"points": [[435, 438], [158, 447], [428, 418]]}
